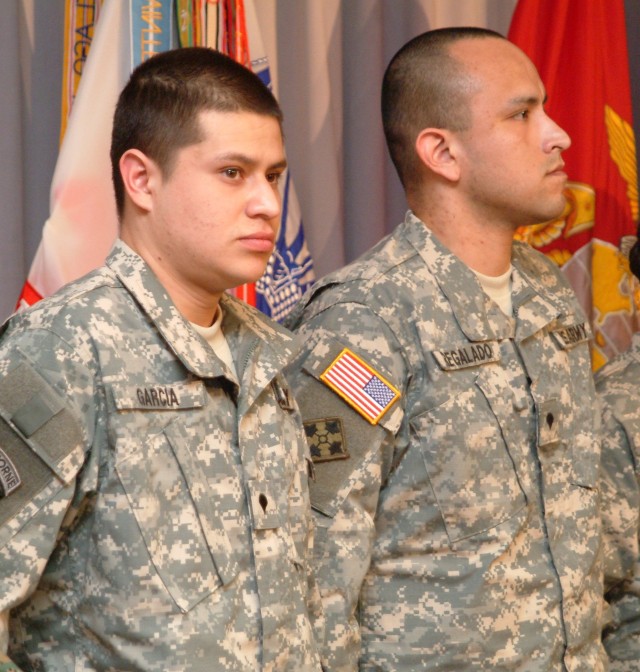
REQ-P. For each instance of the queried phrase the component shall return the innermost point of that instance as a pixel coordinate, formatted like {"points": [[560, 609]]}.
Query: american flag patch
{"points": [[360, 386]]}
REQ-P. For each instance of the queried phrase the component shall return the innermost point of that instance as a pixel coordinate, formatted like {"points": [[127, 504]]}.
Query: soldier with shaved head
{"points": [[446, 389]]}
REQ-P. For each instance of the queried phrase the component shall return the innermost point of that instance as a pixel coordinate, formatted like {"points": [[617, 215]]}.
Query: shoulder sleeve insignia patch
{"points": [[363, 388], [9, 476], [326, 440]]}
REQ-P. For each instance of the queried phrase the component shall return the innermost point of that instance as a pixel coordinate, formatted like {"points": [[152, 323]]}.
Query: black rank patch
{"points": [[326, 440]]}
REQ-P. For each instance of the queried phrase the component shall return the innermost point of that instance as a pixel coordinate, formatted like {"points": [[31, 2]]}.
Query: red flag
{"points": [[580, 50]]}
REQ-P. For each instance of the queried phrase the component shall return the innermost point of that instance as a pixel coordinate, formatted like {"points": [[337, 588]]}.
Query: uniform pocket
{"points": [[468, 463], [165, 490]]}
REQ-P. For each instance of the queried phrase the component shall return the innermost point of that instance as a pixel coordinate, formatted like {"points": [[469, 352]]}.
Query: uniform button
{"points": [[263, 501]]}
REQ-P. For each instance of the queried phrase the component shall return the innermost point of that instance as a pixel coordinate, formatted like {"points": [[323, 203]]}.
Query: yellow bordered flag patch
{"points": [[363, 388]]}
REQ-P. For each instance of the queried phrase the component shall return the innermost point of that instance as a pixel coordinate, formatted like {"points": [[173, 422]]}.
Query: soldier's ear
{"points": [[139, 175], [437, 150]]}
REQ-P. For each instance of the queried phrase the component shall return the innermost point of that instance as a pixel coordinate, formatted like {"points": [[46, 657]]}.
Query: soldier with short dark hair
{"points": [[154, 510], [446, 389]]}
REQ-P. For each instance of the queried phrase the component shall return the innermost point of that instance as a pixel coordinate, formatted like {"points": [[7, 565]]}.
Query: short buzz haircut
{"points": [[425, 87], [158, 109]]}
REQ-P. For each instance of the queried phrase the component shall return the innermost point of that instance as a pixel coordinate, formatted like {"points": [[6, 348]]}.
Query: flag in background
{"points": [[232, 27], [80, 20], [82, 224], [580, 50]]}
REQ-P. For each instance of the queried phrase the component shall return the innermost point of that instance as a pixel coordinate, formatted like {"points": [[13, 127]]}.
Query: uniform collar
{"points": [[538, 297], [260, 347], [245, 329], [478, 317]]}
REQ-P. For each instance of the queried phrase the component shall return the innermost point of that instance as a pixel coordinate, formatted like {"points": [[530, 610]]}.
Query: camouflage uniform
{"points": [[167, 497], [617, 383], [461, 529]]}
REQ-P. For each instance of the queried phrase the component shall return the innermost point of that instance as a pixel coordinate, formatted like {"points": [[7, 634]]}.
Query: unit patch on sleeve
{"points": [[326, 440], [9, 476], [363, 388]]}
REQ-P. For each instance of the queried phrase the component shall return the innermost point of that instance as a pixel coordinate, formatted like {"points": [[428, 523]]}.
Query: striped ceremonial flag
{"points": [[80, 18], [360, 386], [233, 28], [83, 222]]}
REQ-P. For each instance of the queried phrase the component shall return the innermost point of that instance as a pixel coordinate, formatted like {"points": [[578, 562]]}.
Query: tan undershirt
{"points": [[214, 336], [499, 289]]}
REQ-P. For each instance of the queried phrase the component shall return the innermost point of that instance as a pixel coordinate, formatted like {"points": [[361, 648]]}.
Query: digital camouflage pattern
{"points": [[162, 517], [617, 383], [461, 531]]}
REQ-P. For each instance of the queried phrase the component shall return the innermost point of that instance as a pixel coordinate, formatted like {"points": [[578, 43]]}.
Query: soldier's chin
{"points": [[550, 213], [555, 208]]}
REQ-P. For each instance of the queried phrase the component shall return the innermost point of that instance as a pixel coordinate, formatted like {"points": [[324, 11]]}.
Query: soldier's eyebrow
{"points": [[246, 160], [531, 99]]}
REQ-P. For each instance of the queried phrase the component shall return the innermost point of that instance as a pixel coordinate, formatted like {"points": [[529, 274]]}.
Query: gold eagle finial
{"points": [[622, 146]]}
